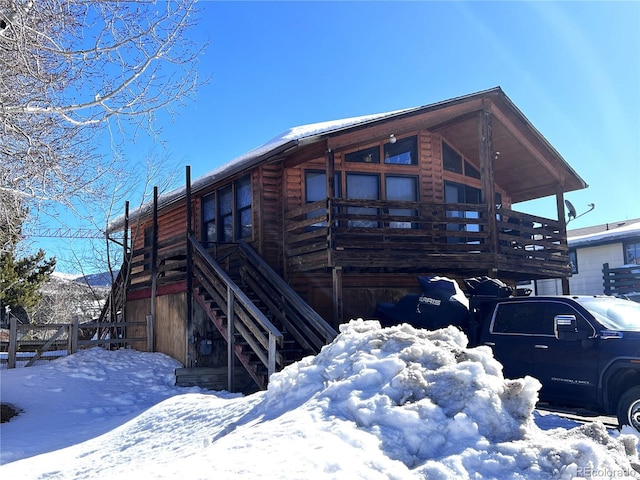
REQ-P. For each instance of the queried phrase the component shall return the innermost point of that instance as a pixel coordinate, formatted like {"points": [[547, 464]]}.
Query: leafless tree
{"points": [[76, 74], [64, 300]]}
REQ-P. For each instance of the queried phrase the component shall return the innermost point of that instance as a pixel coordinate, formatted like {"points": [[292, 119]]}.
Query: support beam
{"points": [[154, 266], [487, 179], [128, 269], [331, 194], [189, 326], [563, 232]]}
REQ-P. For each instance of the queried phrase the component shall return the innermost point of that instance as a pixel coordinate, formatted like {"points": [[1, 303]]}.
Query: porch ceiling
{"points": [[527, 166]]}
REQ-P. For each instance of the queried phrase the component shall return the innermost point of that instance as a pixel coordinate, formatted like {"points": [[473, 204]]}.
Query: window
{"points": [[316, 185], [209, 218], [517, 318], [368, 155], [244, 221], [632, 253], [573, 260], [362, 186], [451, 160], [458, 193], [316, 189], [402, 152], [225, 211], [471, 171], [553, 309], [533, 318], [400, 188]]}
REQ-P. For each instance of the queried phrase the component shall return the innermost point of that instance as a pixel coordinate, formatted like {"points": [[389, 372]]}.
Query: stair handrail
{"points": [[275, 336], [314, 323], [118, 290]]}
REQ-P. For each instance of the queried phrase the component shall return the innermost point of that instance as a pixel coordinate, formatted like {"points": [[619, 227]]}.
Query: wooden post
{"points": [[13, 342], [74, 332], [606, 278], [331, 193], [331, 173], [189, 326], [488, 192], [230, 339], [336, 272], [337, 296], [124, 286], [151, 342], [563, 232], [272, 354], [150, 334]]}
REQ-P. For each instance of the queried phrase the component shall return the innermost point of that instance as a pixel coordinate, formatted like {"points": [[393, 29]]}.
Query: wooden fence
{"points": [[621, 281], [30, 343]]}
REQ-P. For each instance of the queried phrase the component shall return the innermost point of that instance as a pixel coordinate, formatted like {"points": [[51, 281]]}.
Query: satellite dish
{"points": [[571, 208]]}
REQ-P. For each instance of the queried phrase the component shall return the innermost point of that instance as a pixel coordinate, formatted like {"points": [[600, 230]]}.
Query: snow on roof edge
{"points": [[613, 234]]}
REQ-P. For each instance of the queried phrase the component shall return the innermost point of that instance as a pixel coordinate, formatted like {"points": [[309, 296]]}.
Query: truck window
{"points": [[533, 318], [518, 318], [558, 308]]}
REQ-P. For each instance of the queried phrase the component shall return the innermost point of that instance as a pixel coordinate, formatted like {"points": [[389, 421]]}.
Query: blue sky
{"points": [[573, 68]]}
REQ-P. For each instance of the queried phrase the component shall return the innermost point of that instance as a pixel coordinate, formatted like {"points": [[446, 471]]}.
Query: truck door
{"points": [[509, 335], [567, 369]]}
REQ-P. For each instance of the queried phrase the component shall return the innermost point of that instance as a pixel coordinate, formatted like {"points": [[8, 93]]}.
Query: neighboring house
{"points": [[615, 244], [317, 226]]}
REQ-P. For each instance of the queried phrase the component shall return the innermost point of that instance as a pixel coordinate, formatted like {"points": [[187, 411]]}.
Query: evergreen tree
{"points": [[21, 279]]}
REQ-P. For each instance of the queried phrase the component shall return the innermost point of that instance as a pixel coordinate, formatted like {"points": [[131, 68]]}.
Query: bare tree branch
{"points": [[75, 70]]}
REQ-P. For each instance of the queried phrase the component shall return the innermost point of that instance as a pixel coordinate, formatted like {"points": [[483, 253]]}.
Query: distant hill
{"points": [[96, 279], [102, 279]]}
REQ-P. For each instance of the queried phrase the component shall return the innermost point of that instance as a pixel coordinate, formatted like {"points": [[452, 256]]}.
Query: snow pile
{"points": [[439, 408], [382, 403]]}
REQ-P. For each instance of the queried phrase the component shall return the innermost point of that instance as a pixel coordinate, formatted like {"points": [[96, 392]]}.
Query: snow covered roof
{"points": [[288, 139], [608, 235]]}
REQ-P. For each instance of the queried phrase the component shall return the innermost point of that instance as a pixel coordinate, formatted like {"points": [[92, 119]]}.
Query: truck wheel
{"points": [[629, 408]]}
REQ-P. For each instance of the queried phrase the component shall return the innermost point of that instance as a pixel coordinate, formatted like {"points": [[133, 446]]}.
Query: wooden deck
{"points": [[450, 238]]}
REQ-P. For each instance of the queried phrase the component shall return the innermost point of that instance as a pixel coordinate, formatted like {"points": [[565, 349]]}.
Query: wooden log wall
{"points": [[268, 215]]}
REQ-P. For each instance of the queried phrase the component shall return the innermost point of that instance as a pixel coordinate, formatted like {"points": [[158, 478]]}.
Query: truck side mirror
{"points": [[565, 327]]}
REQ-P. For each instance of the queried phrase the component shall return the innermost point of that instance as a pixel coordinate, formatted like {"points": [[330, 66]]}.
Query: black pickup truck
{"points": [[585, 350]]}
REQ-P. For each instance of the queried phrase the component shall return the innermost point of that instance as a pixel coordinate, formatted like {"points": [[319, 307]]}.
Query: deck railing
{"points": [[370, 233], [530, 236]]}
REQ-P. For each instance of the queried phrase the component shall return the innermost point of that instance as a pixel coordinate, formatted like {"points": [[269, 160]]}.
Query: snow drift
{"points": [[394, 402]]}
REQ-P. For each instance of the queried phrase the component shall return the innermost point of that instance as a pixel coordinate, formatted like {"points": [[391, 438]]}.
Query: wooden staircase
{"points": [[270, 327], [265, 324]]}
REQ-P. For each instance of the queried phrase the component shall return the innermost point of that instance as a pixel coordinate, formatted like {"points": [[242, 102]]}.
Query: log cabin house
{"points": [[256, 264]]}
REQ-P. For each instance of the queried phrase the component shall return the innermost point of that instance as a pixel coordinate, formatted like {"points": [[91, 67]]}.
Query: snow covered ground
{"points": [[392, 403]]}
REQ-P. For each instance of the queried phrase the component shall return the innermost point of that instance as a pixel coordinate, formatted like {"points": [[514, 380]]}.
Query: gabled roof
{"points": [[527, 164]]}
